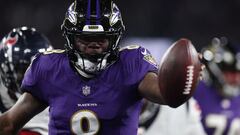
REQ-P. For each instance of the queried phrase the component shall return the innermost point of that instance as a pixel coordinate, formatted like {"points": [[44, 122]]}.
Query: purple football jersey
{"points": [[108, 104], [220, 116]]}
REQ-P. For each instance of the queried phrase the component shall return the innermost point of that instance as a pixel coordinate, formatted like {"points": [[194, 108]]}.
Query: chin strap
{"points": [[89, 69], [86, 75]]}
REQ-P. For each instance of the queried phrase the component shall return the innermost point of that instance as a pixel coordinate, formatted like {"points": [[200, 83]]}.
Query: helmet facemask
{"points": [[92, 53], [12, 75]]}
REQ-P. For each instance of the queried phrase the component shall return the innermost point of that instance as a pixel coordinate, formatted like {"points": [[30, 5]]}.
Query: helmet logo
{"points": [[72, 17], [116, 16], [11, 40]]}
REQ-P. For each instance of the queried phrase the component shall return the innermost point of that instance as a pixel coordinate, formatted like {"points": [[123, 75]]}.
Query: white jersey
{"points": [[39, 123], [184, 120]]}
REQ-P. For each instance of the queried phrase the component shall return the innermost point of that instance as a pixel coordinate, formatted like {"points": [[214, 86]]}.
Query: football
{"points": [[179, 72]]}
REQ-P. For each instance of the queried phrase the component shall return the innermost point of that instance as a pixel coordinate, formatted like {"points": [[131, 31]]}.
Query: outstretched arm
{"points": [[149, 88], [14, 119]]}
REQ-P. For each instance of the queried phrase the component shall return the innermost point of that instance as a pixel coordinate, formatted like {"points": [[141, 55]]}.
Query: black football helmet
{"points": [[222, 56], [91, 19], [16, 51]]}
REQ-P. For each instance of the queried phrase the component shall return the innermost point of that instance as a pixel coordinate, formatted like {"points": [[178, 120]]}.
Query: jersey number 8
{"points": [[85, 122]]}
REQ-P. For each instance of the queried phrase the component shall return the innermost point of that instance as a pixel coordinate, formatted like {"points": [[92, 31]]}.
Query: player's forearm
{"points": [[150, 90], [155, 95], [6, 125], [19, 114]]}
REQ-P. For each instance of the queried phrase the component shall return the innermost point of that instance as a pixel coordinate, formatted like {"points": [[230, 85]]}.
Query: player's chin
{"points": [[94, 51]]}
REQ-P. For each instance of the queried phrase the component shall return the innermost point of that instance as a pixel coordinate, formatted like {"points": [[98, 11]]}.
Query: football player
{"points": [[17, 49], [160, 119], [219, 93], [92, 87]]}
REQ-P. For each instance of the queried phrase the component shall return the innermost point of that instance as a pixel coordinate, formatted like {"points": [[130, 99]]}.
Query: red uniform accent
{"points": [[28, 132]]}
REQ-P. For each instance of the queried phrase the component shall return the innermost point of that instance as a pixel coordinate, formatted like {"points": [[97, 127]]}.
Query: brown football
{"points": [[179, 72]]}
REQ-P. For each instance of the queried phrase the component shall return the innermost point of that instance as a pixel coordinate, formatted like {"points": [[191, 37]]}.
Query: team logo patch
{"points": [[149, 58], [86, 90]]}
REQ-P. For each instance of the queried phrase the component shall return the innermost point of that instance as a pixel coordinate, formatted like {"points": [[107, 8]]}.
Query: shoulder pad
{"points": [[53, 51], [130, 47]]}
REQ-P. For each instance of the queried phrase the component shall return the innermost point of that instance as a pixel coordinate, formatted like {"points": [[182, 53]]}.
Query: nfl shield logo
{"points": [[86, 90]]}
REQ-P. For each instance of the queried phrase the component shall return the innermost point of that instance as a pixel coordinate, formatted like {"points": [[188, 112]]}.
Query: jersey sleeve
{"points": [[147, 62], [138, 62], [32, 79]]}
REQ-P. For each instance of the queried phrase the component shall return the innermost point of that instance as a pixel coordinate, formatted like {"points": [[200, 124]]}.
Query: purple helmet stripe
{"points": [[88, 12], [98, 12]]}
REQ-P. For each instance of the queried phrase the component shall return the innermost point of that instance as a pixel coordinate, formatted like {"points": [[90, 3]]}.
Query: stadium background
{"points": [[198, 20]]}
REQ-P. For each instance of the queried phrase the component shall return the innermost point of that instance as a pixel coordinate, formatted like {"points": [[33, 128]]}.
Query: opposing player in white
{"points": [[184, 120], [17, 49]]}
